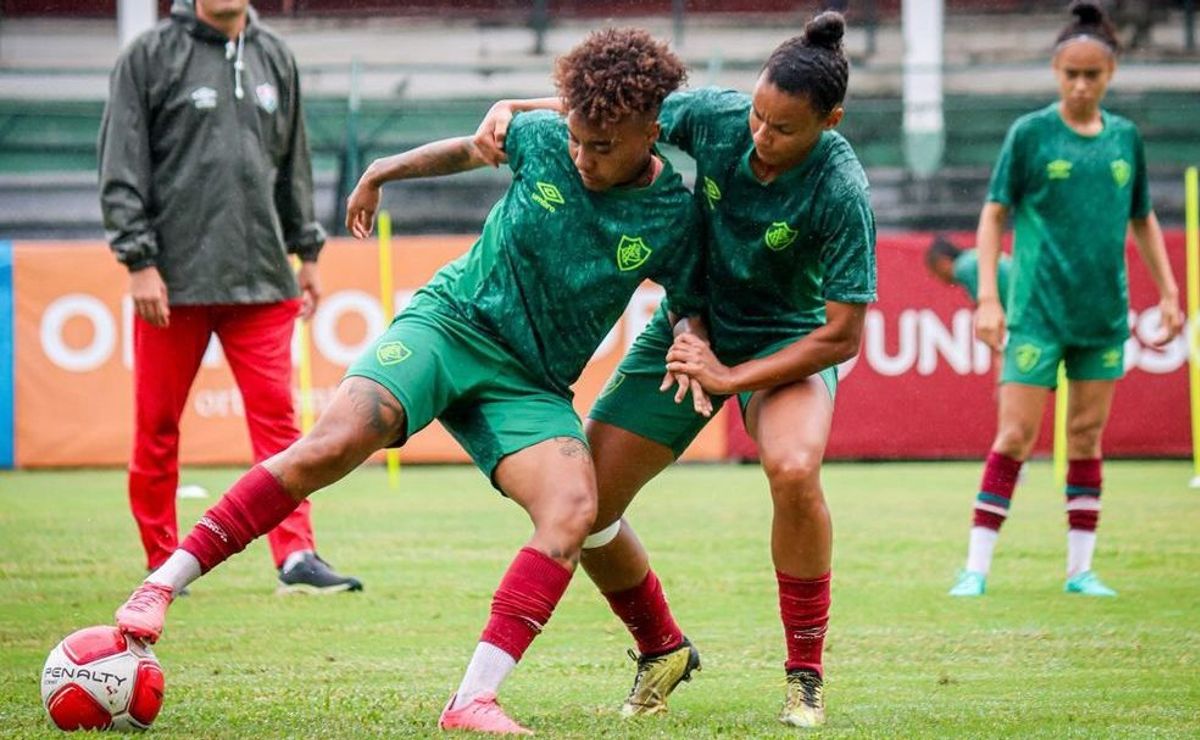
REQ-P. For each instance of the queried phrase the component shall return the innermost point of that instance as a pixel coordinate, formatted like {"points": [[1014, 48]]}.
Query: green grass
{"points": [[902, 659]]}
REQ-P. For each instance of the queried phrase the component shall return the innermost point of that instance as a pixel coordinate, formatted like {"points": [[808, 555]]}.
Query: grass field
{"points": [[902, 660]]}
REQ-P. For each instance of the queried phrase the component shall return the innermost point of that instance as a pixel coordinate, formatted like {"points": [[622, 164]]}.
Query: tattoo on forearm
{"points": [[440, 158]]}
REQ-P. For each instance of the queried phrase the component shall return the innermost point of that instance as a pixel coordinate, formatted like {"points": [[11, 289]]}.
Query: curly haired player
{"points": [[491, 345]]}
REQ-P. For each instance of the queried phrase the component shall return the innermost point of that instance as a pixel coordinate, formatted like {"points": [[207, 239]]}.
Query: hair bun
{"points": [[1088, 12], [826, 30]]}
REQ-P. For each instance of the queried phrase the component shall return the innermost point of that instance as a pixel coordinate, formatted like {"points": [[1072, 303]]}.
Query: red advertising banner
{"points": [[923, 387]]}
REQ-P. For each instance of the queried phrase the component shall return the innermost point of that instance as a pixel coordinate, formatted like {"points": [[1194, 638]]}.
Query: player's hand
{"points": [[989, 324], [149, 294], [1171, 320], [693, 357], [489, 137], [361, 207], [701, 403], [310, 289]]}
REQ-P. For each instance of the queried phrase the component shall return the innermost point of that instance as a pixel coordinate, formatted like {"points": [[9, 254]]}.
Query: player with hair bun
{"points": [[491, 345], [1073, 176], [790, 253]]}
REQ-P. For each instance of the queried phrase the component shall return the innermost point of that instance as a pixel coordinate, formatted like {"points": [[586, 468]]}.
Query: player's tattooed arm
{"points": [[445, 157]]}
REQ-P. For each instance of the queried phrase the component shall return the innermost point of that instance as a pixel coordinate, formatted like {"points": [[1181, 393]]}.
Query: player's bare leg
{"points": [[791, 426], [362, 417], [620, 567], [555, 484], [1088, 406], [1019, 420]]}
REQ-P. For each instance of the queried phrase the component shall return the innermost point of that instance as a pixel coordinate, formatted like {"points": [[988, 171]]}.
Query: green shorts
{"points": [[438, 366], [632, 401], [1031, 360]]}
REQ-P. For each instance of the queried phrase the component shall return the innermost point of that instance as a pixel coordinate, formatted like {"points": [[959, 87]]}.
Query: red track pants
{"points": [[256, 340]]}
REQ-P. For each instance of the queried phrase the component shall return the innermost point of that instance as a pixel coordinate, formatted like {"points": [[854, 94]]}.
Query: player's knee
{"points": [[1015, 439], [572, 515], [1084, 432], [795, 474], [322, 451]]}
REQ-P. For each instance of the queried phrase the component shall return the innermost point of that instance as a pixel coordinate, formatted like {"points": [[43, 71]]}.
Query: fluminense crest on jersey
{"points": [[632, 253], [392, 353], [712, 192], [1121, 172], [780, 236], [1027, 356], [1059, 169], [548, 196]]}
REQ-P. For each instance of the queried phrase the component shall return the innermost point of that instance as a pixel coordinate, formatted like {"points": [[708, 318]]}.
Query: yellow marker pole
{"points": [[305, 369], [1192, 218], [1060, 427], [386, 292]]}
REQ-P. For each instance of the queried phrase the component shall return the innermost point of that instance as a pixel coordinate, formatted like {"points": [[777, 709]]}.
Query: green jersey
{"points": [[556, 263], [1071, 197], [966, 274], [775, 252]]}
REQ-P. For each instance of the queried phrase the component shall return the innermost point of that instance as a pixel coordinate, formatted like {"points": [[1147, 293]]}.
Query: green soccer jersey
{"points": [[1071, 197], [966, 274], [556, 263], [775, 252]]}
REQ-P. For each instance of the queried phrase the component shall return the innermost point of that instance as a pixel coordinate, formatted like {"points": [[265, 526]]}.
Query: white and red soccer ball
{"points": [[101, 679]]}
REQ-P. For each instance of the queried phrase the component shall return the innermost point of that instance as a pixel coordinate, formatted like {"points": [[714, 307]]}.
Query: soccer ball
{"points": [[101, 679]]}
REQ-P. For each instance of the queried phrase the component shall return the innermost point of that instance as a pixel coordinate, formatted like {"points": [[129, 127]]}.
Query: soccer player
{"points": [[491, 345], [1074, 177], [206, 188], [954, 266], [790, 252]]}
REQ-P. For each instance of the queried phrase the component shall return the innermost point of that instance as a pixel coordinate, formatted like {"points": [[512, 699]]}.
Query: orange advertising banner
{"points": [[73, 354]]}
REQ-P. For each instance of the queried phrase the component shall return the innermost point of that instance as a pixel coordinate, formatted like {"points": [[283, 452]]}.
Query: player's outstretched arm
{"points": [[445, 157], [832, 344], [989, 316], [489, 137], [1147, 234]]}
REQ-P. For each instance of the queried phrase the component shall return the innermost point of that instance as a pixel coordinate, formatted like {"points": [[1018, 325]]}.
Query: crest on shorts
{"points": [[267, 97], [1112, 357], [392, 353], [712, 192], [780, 236], [632, 253], [613, 384], [1027, 356], [1121, 172]]}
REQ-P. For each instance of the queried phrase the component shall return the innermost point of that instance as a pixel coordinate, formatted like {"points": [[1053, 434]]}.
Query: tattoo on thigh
{"points": [[571, 447], [384, 414]]}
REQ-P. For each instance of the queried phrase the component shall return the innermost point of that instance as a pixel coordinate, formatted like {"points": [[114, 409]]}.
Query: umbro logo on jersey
{"points": [[1121, 172], [548, 196], [632, 253], [1059, 169], [780, 236], [392, 353], [712, 192], [204, 98]]}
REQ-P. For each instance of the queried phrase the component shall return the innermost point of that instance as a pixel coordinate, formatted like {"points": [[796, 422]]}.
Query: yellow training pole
{"points": [[1192, 211], [385, 300], [305, 348], [1060, 427]]}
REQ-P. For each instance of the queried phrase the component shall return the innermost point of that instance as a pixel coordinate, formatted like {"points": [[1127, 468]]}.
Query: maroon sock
{"points": [[1084, 483], [804, 608], [252, 507], [646, 615], [995, 490], [524, 601]]}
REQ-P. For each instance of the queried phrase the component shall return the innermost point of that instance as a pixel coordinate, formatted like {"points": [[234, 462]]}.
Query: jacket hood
{"points": [[183, 12]]}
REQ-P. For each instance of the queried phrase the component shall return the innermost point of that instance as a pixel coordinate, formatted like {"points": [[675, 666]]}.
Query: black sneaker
{"points": [[312, 575]]}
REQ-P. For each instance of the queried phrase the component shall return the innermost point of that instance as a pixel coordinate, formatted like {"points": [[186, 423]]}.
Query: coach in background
{"points": [[206, 188]]}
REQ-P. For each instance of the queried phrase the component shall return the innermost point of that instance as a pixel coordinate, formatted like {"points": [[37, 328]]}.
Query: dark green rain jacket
{"points": [[204, 164]]}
